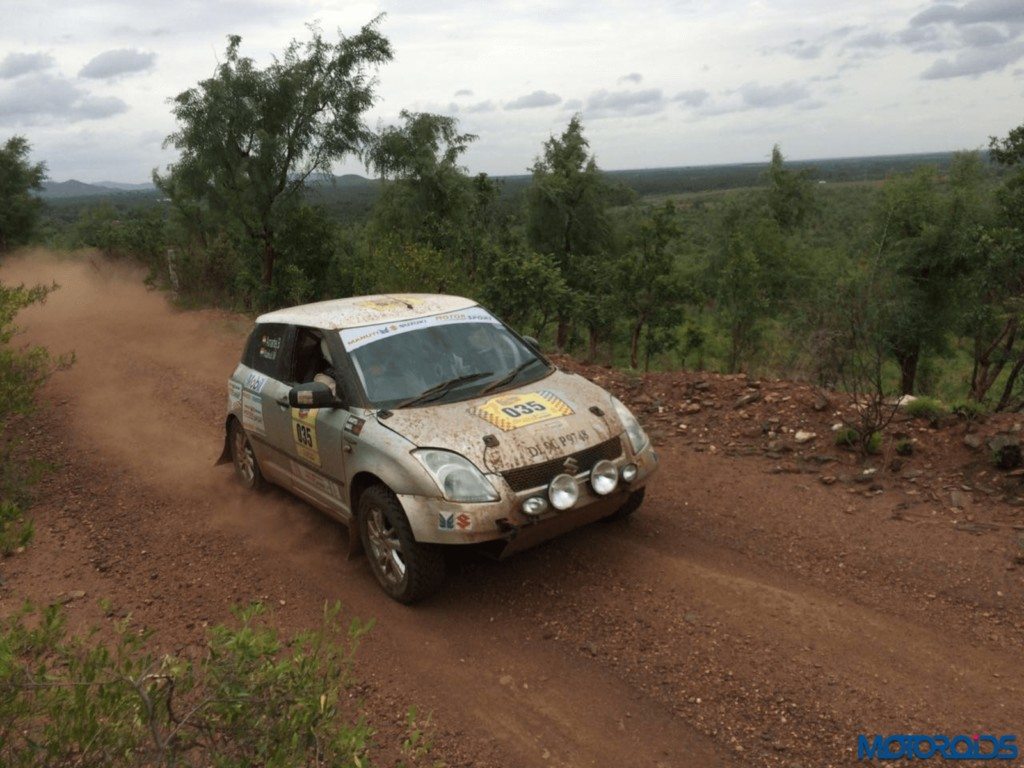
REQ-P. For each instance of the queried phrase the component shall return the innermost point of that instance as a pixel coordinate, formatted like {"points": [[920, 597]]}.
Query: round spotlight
{"points": [[629, 473], [604, 477], [535, 505], [563, 492]]}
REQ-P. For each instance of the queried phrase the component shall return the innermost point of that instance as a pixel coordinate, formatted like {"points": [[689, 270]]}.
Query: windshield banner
{"points": [[354, 338]]}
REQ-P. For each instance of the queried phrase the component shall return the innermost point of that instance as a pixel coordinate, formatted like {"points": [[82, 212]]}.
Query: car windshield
{"points": [[439, 358]]}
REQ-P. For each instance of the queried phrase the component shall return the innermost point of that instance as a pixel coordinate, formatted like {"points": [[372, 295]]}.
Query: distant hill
{"points": [[55, 190], [352, 196], [123, 187]]}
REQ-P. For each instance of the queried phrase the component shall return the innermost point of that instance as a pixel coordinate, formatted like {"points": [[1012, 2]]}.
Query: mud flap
{"points": [[225, 455]]}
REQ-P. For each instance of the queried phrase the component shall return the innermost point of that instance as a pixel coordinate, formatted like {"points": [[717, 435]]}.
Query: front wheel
{"points": [[247, 469], [631, 505], [407, 570]]}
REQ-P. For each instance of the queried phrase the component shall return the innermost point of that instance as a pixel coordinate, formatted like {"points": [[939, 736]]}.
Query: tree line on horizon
{"points": [[915, 283]]}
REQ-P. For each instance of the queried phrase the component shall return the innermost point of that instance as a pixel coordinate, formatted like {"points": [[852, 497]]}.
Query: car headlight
{"points": [[636, 433], [456, 476]]}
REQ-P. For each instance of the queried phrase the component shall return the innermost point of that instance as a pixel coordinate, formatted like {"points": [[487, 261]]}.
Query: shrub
{"points": [[969, 410], [22, 370], [847, 437], [851, 438], [904, 447], [250, 698], [927, 408], [15, 529]]}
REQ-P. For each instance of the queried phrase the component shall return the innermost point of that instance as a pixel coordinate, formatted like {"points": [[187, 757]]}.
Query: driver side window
{"points": [[311, 359]]}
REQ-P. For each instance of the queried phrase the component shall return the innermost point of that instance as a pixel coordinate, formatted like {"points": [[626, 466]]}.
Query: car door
{"points": [[265, 411], [316, 447]]}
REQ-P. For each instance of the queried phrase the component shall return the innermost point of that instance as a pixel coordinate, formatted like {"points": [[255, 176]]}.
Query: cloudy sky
{"points": [[659, 83]]}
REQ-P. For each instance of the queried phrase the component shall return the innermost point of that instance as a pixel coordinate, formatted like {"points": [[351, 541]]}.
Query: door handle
{"points": [[282, 402]]}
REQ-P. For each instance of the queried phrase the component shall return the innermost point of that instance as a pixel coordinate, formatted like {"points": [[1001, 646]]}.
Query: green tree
{"points": [[567, 218], [651, 292], [922, 238], [790, 193], [250, 138], [521, 286], [19, 178], [750, 273], [994, 320], [428, 197]]}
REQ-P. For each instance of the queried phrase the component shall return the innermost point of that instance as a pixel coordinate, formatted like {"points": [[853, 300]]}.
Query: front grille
{"points": [[536, 475]]}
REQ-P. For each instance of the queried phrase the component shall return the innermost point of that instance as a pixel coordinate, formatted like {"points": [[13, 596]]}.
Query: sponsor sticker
{"points": [[252, 413], [255, 382], [452, 521], [234, 394], [354, 425], [354, 338], [316, 480], [304, 434], [508, 412]]}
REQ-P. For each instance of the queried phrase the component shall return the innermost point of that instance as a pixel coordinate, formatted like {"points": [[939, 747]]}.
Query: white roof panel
{"points": [[366, 310]]}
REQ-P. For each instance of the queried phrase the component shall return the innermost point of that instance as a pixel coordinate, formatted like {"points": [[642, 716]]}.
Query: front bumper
{"points": [[437, 521]]}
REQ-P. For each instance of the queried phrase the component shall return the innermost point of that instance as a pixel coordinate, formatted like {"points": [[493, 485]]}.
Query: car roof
{"points": [[366, 310]]}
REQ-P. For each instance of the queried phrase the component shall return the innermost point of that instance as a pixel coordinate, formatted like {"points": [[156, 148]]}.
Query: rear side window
{"points": [[266, 350]]}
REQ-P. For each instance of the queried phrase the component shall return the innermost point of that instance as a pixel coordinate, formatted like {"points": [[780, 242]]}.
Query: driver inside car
{"points": [[326, 373]]}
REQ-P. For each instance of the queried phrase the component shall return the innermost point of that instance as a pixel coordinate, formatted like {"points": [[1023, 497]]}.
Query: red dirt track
{"points": [[744, 617]]}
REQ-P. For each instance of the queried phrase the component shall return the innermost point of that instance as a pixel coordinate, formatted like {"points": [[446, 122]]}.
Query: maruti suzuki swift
{"points": [[422, 421]]}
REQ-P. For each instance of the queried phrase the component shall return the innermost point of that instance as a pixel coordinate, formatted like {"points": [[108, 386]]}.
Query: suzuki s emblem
{"points": [[571, 466]]}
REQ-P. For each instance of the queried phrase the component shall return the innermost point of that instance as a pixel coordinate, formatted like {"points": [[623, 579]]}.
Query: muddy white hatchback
{"points": [[421, 421]]}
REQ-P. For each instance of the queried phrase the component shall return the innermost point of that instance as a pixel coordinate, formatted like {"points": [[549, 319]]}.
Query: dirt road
{"points": [[742, 618]]}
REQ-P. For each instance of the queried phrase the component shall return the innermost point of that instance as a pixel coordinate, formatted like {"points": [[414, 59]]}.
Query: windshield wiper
{"points": [[510, 375], [440, 389]]}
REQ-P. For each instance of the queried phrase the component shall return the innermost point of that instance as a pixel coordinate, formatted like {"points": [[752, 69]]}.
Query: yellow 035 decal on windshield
{"points": [[304, 434], [509, 412]]}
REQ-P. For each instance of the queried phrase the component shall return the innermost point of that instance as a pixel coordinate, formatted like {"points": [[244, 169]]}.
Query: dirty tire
{"points": [[636, 498], [243, 458], [406, 570]]}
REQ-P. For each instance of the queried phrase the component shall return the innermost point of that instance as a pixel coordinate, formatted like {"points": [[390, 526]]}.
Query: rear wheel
{"points": [[407, 570], [633, 502], [247, 469]]}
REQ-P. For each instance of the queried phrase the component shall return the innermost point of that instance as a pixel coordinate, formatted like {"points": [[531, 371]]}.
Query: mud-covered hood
{"points": [[530, 424]]}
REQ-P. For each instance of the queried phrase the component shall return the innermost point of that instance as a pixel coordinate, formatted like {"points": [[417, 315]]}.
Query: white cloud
{"points": [[110, 64], [17, 64], [624, 103], [534, 100], [42, 98], [975, 61], [692, 98]]}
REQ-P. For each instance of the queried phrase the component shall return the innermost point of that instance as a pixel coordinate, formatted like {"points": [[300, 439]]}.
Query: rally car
{"points": [[422, 420]]}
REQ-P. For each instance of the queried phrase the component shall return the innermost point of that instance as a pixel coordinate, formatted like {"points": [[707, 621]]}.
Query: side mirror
{"points": [[532, 342], [312, 395]]}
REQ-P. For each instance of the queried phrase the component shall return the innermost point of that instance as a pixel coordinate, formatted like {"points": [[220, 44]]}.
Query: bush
{"points": [[22, 370], [969, 410], [848, 437], [927, 408], [251, 698], [904, 447], [15, 529]]}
